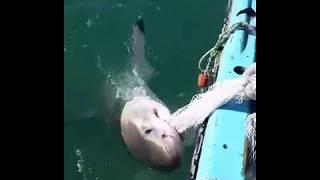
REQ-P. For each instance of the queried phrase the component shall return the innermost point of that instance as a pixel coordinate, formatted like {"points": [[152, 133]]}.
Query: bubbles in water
{"points": [[99, 58], [81, 166], [97, 14], [84, 45], [127, 47], [99, 64], [89, 22], [119, 5], [80, 162], [158, 7], [118, 93], [78, 152], [129, 86], [180, 94]]}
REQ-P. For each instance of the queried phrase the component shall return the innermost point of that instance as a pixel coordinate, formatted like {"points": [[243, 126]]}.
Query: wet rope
{"points": [[251, 134], [249, 93], [214, 52]]}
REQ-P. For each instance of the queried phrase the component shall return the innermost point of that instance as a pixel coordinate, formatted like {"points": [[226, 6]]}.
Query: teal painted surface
{"points": [[223, 146]]}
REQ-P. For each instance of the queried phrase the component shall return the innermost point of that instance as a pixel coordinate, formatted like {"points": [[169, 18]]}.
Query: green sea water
{"points": [[96, 39]]}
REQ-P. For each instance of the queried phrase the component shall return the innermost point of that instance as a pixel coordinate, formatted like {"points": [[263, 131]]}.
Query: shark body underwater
{"points": [[144, 127]]}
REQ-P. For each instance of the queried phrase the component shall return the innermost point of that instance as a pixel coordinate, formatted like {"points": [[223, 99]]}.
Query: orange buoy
{"points": [[203, 79]]}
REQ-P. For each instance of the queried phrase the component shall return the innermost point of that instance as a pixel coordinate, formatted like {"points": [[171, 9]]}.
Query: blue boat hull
{"points": [[223, 151]]}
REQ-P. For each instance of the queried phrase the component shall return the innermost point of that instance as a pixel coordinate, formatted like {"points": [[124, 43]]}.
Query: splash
{"points": [[89, 22], [132, 82], [128, 85]]}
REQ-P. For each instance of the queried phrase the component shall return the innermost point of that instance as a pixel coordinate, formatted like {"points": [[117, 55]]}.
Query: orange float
{"points": [[203, 79]]}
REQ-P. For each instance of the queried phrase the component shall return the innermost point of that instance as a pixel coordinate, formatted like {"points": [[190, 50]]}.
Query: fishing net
{"points": [[251, 134], [218, 94], [202, 105]]}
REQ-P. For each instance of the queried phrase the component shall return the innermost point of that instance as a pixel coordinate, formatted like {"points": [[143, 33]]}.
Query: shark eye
{"points": [[148, 131], [156, 113]]}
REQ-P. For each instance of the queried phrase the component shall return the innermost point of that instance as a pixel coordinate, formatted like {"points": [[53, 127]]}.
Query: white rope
{"points": [[250, 90], [218, 94], [250, 93], [251, 134]]}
